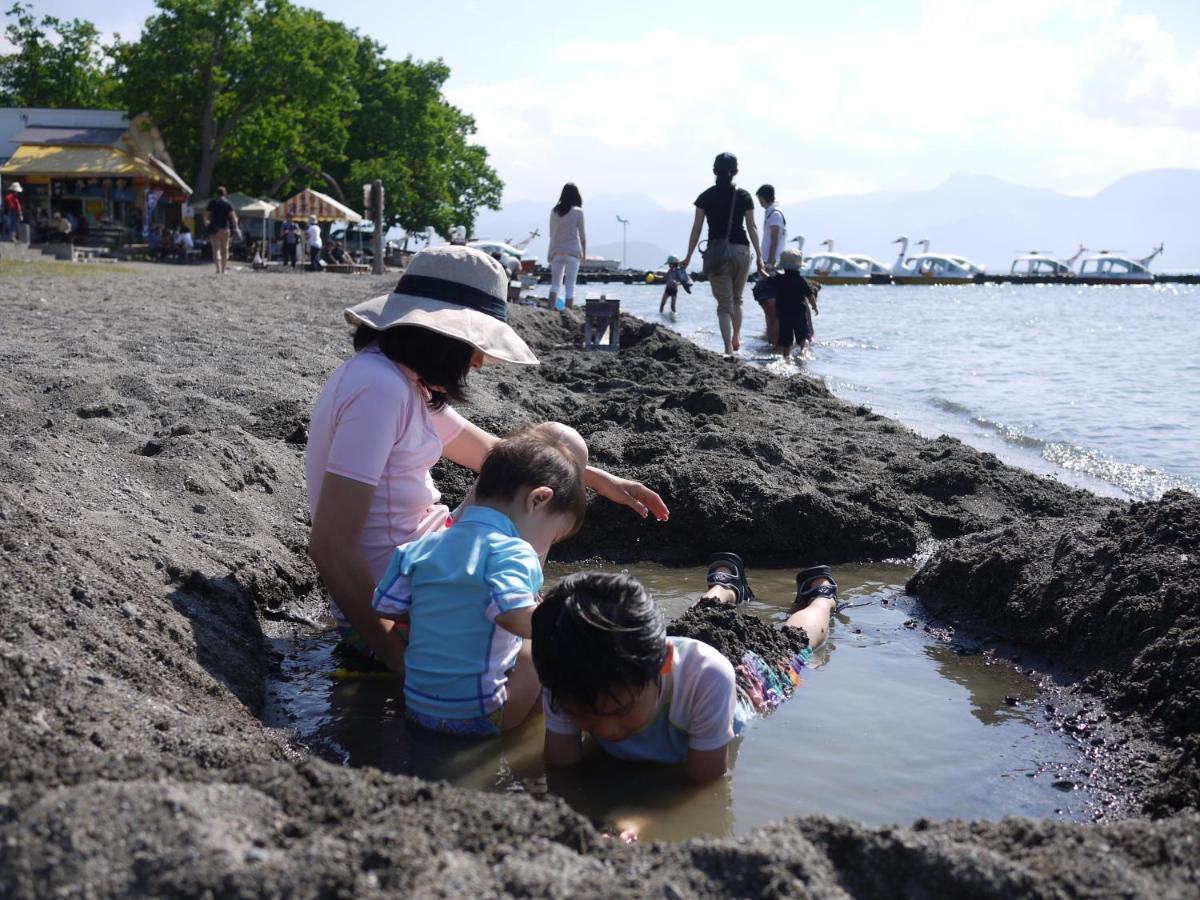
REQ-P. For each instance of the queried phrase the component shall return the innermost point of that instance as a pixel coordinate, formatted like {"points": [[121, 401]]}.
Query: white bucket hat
{"points": [[16, 186], [459, 292]]}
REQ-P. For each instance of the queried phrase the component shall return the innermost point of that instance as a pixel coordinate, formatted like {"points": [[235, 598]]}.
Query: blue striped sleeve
{"points": [[393, 595]]}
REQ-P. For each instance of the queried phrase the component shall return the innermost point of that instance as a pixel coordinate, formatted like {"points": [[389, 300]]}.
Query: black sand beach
{"points": [[153, 526]]}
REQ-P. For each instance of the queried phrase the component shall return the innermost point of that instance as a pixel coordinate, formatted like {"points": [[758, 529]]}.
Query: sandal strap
{"points": [[730, 581]]}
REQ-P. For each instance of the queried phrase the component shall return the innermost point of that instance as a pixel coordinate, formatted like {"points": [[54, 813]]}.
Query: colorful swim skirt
{"points": [[764, 684]]}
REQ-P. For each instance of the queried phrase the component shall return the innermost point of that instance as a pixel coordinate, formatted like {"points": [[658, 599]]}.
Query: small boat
{"points": [[595, 264], [1042, 264], [1110, 267], [835, 268], [932, 268]]}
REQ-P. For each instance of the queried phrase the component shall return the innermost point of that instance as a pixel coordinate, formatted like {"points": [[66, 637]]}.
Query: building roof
{"points": [[66, 135], [88, 162]]}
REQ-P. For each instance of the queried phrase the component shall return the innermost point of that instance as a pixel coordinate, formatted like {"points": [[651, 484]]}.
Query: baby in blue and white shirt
{"points": [[469, 591]]}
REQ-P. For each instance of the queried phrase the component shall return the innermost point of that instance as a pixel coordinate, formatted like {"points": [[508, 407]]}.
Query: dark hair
{"points": [[442, 363], [724, 178], [568, 198], [594, 633], [222, 191], [533, 457], [767, 191]]}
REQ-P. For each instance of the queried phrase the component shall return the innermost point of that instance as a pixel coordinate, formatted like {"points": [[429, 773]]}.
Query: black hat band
{"points": [[455, 292]]}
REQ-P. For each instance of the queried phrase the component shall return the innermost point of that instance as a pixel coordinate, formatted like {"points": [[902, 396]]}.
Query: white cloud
{"points": [[1067, 94]]}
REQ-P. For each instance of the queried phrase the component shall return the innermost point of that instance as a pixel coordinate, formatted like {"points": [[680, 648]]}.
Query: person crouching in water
{"points": [[468, 592], [793, 295], [602, 653], [676, 278]]}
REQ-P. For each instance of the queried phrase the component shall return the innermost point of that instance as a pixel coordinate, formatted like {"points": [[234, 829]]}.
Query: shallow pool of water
{"points": [[891, 723]]}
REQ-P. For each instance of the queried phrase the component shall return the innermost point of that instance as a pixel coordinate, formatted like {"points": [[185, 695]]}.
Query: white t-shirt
{"points": [[566, 233], [371, 423], [773, 216], [700, 712], [314, 236]]}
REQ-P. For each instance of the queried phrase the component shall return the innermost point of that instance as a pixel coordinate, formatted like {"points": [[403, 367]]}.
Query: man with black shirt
{"points": [[729, 211], [222, 221]]}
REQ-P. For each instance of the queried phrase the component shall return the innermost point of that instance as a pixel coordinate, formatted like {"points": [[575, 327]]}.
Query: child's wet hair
{"points": [[595, 633], [534, 457]]}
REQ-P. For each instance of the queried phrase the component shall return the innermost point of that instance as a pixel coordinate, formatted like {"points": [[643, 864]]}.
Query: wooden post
{"points": [[377, 218]]}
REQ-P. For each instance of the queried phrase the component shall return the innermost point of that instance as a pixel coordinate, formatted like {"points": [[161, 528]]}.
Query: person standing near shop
{"points": [[291, 241], [13, 214], [314, 245], [222, 222]]}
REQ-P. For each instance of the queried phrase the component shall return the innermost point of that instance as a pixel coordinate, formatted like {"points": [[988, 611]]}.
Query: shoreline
{"points": [[153, 525]]}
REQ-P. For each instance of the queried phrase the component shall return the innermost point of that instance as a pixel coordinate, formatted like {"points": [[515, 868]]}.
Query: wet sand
{"points": [[153, 524]]}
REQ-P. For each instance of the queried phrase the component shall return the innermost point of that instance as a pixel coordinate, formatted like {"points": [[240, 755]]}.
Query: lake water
{"points": [[1098, 386], [889, 724]]}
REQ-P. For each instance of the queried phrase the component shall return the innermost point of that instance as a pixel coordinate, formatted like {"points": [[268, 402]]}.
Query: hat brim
{"points": [[496, 340]]}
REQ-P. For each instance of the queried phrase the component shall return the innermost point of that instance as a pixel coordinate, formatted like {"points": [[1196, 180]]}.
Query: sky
{"points": [[817, 98]]}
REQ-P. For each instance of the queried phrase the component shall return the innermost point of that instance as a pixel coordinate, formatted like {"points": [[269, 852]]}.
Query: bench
{"points": [[346, 268]]}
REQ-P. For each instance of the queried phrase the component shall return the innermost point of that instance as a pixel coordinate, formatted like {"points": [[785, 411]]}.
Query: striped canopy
{"points": [[313, 203]]}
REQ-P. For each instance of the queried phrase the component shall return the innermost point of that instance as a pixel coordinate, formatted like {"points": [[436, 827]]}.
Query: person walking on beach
{"points": [[222, 222], [384, 419], [568, 245], [13, 214], [791, 295], [774, 239], [290, 236], [676, 278], [314, 245], [729, 211]]}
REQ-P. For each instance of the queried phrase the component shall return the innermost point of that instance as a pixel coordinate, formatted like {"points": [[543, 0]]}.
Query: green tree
{"points": [[248, 88], [56, 63], [408, 136]]}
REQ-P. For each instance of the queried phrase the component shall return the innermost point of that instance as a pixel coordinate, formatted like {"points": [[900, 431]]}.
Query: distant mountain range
{"points": [[976, 216]]}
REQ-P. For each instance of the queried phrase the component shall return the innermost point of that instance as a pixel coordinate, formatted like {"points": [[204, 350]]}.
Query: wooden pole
{"points": [[377, 218]]}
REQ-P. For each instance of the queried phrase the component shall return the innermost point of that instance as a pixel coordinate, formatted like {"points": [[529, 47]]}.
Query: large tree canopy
{"points": [[247, 87], [54, 63], [406, 135], [269, 97]]}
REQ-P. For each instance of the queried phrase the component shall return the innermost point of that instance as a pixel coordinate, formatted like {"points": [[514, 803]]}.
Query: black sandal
{"points": [[735, 579], [806, 590]]}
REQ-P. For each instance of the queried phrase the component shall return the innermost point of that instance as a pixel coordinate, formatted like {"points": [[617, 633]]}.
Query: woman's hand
{"points": [[633, 494]]}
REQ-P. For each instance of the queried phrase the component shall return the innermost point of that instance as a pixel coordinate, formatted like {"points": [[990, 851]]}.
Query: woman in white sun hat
{"points": [[383, 420]]}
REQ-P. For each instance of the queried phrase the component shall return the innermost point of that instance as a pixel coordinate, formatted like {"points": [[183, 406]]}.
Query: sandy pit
{"points": [[153, 524]]}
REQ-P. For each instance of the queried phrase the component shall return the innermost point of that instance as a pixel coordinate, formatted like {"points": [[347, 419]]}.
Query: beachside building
{"points": [[108, 172]]}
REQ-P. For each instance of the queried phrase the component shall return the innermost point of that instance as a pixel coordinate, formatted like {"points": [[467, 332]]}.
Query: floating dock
{"points": [[644, 277]]}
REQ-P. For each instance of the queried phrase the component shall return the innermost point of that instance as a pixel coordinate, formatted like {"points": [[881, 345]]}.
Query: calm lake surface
{"points": [[1098, 386], [888, 725]]}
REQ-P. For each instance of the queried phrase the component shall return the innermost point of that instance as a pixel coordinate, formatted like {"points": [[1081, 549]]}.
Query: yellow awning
{"points": [[84, 162]]}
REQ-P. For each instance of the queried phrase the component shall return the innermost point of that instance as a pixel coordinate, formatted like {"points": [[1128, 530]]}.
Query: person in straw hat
{"points": [[384, 418]]}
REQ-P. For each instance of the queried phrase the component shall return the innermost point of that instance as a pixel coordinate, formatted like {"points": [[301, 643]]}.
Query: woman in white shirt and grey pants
{"points": [[568, 244]]}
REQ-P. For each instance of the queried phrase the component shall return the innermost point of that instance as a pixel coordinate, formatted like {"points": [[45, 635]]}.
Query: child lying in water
{"points": [[469, 591], [607, 668]]}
